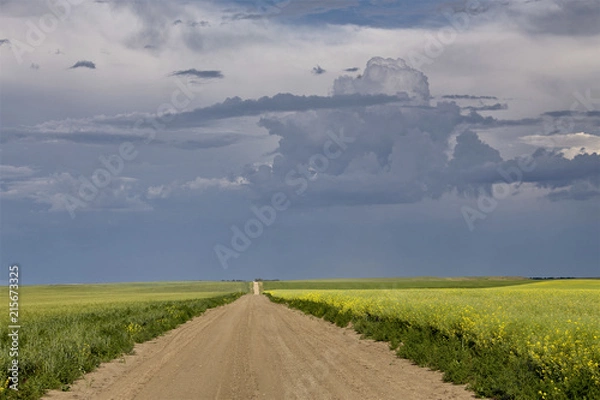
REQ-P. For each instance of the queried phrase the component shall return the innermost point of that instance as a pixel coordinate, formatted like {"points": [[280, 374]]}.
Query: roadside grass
{"points": [[397, 283], [537, 341], [68, 330]]}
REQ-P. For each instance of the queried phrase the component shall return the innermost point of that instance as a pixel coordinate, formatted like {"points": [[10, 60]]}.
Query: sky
{"points": [[146, 140]]}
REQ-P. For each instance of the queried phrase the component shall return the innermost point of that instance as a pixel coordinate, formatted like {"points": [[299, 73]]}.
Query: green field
{"points": [[48, 299], [67, 330], [539, 340]]}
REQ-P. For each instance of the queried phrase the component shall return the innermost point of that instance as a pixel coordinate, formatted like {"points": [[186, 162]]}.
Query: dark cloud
{"points": [[4, 41], [492, 107], [353, 69], [177, 22], [198, 74], [34, 66], [474, 119], [468, 97], [471, 152], [83, 64], [567, 113], [231, 108], [549, 169], [556, 114], [318, 70], [283, 102], [554, 171], [216, 141]]}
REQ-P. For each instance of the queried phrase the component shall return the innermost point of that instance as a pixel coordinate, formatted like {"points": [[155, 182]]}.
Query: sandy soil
{"points": [[255, 349]]}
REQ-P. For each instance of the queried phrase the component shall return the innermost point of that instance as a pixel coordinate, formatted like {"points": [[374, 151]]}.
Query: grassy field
{"points": [[539, 340], [67, 330], [48, 299]]}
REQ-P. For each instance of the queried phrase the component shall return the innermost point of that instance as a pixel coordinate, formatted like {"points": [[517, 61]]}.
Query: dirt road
{"points": [[255, 349]]}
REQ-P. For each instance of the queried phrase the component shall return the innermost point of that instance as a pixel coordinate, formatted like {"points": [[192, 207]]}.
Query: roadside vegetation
{"points": [[535, 341], [68, 330]]}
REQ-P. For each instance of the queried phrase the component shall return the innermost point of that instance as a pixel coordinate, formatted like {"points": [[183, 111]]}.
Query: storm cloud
{"points": [[218, 108], [396, 154]]}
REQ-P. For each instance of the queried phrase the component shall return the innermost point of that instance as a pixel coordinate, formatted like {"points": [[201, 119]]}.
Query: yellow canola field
{"points": [[556, 324]]}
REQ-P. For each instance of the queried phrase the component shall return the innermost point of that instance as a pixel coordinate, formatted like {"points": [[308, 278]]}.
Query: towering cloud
{"points": [[394, 153], [386, 76]]}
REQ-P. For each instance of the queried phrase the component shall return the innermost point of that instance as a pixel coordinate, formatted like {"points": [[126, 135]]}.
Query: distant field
{"points": [[539, 340], [51, 299], [398, 283], [68, 330]]}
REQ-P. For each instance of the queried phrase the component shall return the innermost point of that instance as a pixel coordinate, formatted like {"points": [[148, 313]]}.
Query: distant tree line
{"points": [[543, 278]]}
